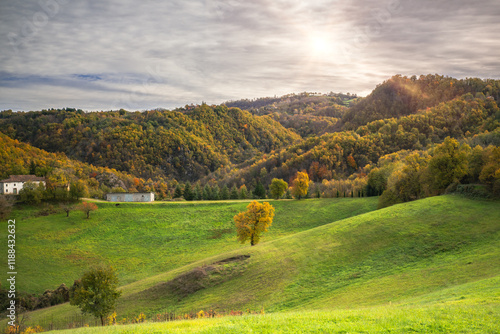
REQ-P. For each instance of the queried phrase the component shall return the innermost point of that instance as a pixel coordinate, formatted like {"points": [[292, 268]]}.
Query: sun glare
{"points": [[321, 46]]}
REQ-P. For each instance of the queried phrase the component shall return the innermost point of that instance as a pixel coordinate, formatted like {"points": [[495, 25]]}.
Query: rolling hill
{"points": [[184, 144], [437, 252]]}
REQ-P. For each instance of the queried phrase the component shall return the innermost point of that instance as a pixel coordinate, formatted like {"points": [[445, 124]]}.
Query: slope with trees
{"points": [[184, 144]]}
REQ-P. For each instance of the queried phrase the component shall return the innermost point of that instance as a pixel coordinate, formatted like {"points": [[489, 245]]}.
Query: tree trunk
{"points": [[88, 214], [252, 242], [102, 320]]}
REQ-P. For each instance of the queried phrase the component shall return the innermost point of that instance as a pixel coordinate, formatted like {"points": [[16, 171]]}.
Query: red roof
{"points": [[23, 178]]}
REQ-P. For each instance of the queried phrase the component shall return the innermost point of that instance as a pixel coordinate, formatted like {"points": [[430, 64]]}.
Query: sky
{"points": [[139, 55]]}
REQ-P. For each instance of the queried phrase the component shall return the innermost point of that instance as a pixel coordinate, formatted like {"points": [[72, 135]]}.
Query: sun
{"points": [[320, 46]]}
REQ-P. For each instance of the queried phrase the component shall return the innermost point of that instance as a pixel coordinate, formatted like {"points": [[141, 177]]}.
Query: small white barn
{"points": [[15, 183], [130, 197]]}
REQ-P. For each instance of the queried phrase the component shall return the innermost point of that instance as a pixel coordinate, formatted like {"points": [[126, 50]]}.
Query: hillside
{"points": [[334, 137], [185, 144], [441, 250], [142, 240], [308, 114], [402, 96], [21, 158], [342, 154]]}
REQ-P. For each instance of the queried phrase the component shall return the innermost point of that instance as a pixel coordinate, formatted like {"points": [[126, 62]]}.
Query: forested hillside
{"points": [[17, 158], [342, 154], [185, 144], [307, 113], [349, 146], [402, 96]]}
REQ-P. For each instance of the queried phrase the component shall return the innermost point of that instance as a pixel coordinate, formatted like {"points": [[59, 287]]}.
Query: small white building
{"points": [[15, 183], [130, 197]]}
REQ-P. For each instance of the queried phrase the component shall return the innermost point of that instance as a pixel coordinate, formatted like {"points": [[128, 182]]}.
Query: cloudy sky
{"points": [[110, 54]]}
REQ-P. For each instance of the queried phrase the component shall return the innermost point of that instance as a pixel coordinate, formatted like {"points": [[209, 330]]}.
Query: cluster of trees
{"points": [[320, 104], [402, 96], [410, 175], [31, 302], [340, 155], [308, 114], [184, 144]]}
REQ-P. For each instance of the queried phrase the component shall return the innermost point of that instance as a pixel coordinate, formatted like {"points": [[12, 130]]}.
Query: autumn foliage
{"points": [[300, 185], [86, 207], [251, 223]]}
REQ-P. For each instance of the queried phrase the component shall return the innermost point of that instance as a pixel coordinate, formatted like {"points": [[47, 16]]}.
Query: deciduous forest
{"points": [[412, 137]]}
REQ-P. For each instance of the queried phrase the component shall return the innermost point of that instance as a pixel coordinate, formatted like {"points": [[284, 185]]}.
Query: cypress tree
{"points": [[178, 191], [234, 193], [224, 194], [259, 191], [188, 192]]}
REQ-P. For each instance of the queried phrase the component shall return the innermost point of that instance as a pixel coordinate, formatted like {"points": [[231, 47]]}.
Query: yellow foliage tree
{"points": [[251, 223], [300, 185]]}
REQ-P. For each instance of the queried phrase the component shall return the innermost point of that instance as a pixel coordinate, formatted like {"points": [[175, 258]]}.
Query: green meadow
{"points": [[326, 265], [381, 319], [141, 240]]}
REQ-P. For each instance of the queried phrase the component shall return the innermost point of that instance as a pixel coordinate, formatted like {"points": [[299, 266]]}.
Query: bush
{"points": [[473, 190]]}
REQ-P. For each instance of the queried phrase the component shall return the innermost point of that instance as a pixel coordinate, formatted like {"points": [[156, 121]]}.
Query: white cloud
{"points": [[146, 54]]}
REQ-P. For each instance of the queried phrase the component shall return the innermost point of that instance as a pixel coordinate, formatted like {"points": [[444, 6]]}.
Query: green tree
{"points": [[300, 185], [234, 193], [96, 292], [278, 188], [78, 190], [31, 193], [207, 192], [476, 163], [251, 223], [32, 168], [243, 192], [216, 193], [188, 192], [448, 163], [490, 173], [224, 194], [178, 191], [259, 191], [198, 192], [377, 181]]}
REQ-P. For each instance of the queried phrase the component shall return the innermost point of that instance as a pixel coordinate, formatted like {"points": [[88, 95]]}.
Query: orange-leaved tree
{"points": [[86, 207], [250, 224], [300, 185]]}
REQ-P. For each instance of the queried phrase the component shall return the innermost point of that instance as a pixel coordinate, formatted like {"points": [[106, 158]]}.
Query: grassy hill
{"points": [[141, 240], [437, 257]]}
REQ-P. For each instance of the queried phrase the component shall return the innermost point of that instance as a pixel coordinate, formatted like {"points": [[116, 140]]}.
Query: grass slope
{"points": [[440, 251], [142, 240], [382, 319]]}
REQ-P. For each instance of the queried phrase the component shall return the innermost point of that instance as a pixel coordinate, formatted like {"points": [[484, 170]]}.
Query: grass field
{"points": [[382, 319], [141, 240], [431, 265]]}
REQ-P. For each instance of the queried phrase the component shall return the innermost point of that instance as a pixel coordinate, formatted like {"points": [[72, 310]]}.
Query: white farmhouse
{"points": [[14, 184]]}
